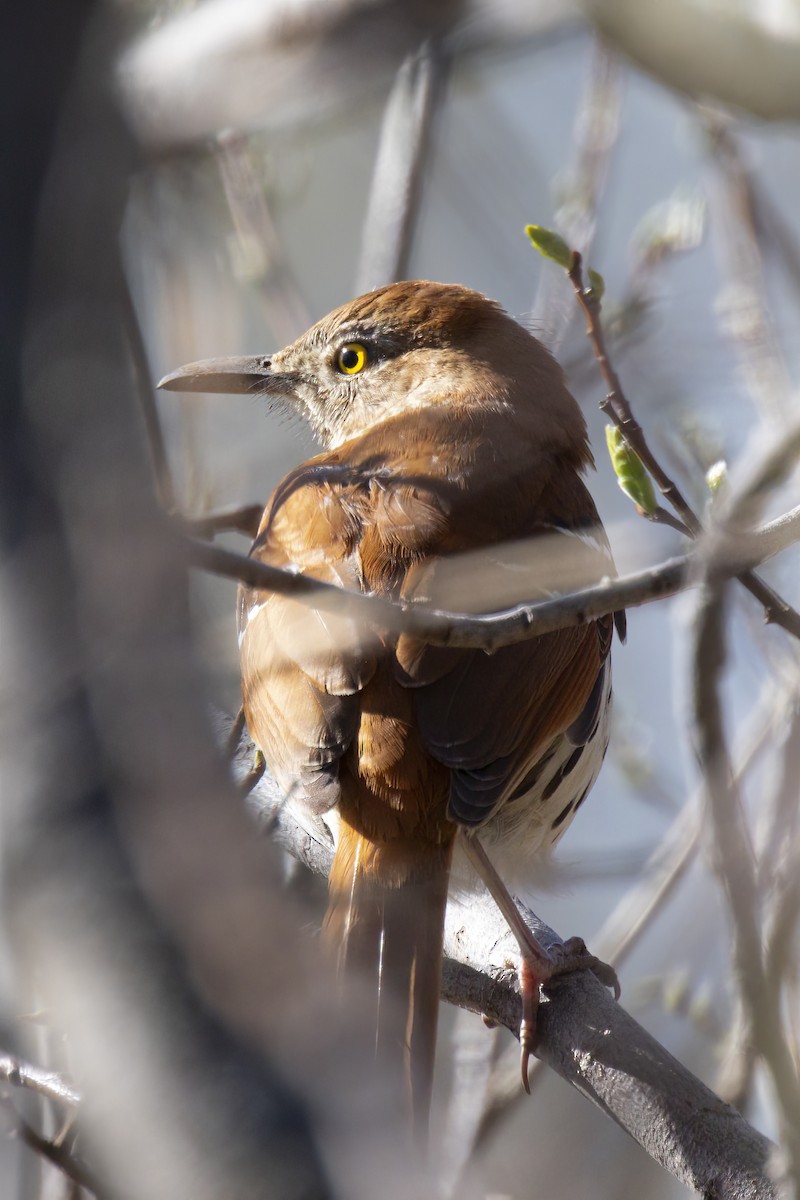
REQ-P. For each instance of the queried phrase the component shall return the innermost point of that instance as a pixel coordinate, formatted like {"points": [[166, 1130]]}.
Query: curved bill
{"points": [[227, 375]]}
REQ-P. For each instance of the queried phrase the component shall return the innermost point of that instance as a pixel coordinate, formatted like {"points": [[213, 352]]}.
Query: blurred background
{"points": [[290, 155]]}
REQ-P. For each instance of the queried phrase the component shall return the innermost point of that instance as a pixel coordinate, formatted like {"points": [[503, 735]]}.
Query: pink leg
{"points": [[539, 966]]}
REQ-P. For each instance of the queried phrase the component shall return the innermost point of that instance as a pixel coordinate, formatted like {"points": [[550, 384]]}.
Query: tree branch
{"points": [[492, 630], [731, 850], [59, 1156]]}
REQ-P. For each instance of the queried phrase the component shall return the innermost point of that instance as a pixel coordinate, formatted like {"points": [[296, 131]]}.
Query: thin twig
{"points": [[733, 862], [507, 626], [244, 519], [595, 135], [616, 406], [779, 871], [59, 1157], [53, 1152], [618, 410]]}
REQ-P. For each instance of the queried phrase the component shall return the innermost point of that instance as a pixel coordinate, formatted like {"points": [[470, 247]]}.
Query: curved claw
{"points": [[524, 1060], [572, 955], [529, 988]]}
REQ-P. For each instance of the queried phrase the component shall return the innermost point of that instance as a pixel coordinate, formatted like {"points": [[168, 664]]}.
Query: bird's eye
{"points": [[352, 358]]}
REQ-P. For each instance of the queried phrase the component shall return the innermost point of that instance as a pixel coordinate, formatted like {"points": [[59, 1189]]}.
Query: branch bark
{"points": [[489, 631]]}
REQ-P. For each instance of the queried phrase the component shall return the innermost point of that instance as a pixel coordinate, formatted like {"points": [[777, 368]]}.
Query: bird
{"points": [[452, 475]]}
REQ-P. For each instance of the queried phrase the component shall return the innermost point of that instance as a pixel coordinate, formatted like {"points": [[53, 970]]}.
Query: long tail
{"points": [[385, 917]]}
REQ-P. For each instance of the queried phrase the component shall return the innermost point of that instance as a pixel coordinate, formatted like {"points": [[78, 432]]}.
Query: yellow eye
{"points": [[352, 358]]}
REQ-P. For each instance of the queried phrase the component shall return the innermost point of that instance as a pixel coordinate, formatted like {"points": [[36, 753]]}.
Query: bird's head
{"points": [[407, 346]]}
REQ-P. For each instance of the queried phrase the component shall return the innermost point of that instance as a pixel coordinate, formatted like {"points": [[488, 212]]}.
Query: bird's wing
{"points": [[302, 668], [492, 717]]}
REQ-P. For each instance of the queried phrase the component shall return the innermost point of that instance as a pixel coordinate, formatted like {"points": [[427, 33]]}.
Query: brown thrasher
{"points": [[451, 475]]}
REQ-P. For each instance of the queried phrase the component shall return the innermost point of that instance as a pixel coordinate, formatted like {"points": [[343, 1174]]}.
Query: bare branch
{"points": [[503, 628], [59, 1156], [730, 847], [616, 407], [142, 376], [733, 861]]}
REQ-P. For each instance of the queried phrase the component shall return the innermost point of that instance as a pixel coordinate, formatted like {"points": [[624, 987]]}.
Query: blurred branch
{"points": [[615, 405], [505, 627], [396, 188], [242, 520], [59, 1156], [584, 1035], [732, 860], [279, 62], [288, 63], [50, 1084], [779, 858], [261, 260], [745, 313], [141, 374], [754, 63], [475, 1047], [596, 129], [731, 851]]}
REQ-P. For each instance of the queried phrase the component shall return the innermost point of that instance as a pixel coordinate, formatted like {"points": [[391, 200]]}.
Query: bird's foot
{"points": [[247, 782], [572, 955], [541, 968], [254, 775]]}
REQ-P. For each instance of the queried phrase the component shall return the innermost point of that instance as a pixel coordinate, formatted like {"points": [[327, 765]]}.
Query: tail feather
{"points": [[385, 918]]}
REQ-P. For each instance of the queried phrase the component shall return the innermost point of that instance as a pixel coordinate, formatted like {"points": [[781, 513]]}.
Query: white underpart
{"points": [[522, 831]]}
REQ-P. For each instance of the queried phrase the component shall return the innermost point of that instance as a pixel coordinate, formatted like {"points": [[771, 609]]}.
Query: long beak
{"points": [[227, 375]]}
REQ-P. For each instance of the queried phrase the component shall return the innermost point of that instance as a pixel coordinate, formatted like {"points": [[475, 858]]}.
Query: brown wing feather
{"points": [[490, 717], [302, 669]]}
